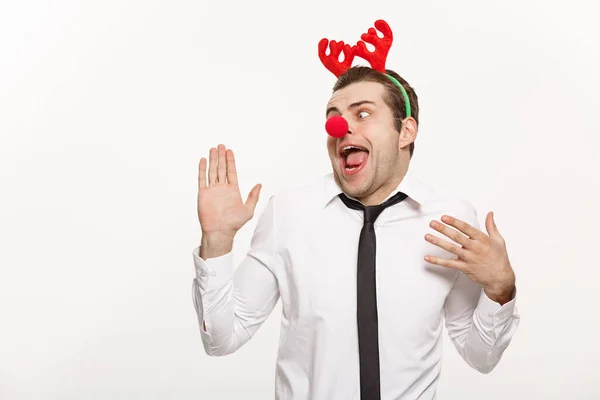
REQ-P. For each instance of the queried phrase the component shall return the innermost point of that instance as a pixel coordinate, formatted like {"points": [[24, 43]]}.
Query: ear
{"points": [[408, 134]]}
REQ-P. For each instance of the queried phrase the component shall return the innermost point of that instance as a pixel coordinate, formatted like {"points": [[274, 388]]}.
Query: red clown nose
{"points": [[336, 126]]}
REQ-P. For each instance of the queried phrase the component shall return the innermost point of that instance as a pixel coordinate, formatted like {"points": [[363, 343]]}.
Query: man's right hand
{"points": [[221, 211]]}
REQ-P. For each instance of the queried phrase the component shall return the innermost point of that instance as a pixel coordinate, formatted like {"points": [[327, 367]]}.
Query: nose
{"points": [[336, 126]]}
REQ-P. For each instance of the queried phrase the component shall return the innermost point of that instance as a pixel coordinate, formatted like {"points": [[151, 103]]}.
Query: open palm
{"points": [[220, 206]]}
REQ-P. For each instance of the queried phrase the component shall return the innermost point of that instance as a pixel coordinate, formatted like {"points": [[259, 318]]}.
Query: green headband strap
{"points": [[406, 100]]}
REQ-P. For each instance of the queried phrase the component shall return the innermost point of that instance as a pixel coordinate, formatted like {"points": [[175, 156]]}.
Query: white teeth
{"points": [[347, 148]]}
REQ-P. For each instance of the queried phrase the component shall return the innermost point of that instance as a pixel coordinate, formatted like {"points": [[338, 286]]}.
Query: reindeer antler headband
{"points": [[376, 58]]}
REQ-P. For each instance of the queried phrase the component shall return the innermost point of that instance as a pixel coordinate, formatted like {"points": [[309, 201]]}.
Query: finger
{"points": [[445, 262], [253, 198], [452, 248], [491, 227], [465, 228], [212, 166], [221, 165], [202, 174], [451, 233], [231, 169]]}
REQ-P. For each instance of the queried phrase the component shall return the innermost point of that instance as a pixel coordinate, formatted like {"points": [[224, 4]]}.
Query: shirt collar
{"points": [[410, 185]]}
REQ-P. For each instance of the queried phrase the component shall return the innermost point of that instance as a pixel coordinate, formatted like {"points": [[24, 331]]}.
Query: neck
{"points": [[381, 193]]}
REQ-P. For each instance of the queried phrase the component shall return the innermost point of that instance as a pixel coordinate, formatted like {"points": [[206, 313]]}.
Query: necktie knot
{"points": [[371, 213]]}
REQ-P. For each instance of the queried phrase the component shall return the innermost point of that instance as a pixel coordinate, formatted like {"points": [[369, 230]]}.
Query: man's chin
{"points": [[355, 186]]}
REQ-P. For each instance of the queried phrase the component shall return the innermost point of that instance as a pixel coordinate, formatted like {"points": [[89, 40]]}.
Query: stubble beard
{"points": [[367, 184], [359, 189]]}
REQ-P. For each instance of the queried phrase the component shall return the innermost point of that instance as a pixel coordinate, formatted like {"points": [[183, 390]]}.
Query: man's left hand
{"points": [[483, 258]]}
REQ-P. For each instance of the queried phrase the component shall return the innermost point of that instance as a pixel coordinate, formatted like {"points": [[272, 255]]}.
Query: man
{"points": [[432, 263]]}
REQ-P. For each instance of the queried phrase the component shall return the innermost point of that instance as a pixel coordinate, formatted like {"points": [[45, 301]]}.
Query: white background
{"points": [[106, 108]]}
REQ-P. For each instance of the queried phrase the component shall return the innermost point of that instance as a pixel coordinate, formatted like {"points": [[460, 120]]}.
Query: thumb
{"points": [[490, 225], [253, 198]]}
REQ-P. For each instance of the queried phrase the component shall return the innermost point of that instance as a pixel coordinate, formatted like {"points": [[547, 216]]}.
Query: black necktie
{"points": [[366, 313]]}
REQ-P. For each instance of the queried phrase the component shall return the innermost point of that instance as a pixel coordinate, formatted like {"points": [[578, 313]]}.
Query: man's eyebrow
{"points": [[353, 105], [332, 109]]}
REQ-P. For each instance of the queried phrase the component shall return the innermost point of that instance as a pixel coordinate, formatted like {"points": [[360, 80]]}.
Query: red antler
{"points": [[331, 61], [378, 57]]}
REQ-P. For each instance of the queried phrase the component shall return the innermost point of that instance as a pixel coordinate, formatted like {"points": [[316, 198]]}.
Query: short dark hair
{"points": [[394, 98]]}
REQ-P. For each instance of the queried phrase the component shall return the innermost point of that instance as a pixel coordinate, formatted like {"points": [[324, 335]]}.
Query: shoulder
{"points": [[435, 201], [444, 202], [304, 196]]}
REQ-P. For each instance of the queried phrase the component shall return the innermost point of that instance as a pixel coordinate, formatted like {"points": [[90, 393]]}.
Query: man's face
{"points": [[375, 164]]}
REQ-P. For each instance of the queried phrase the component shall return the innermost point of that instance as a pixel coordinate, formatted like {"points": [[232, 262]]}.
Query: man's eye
{"points": [[363, 114]]}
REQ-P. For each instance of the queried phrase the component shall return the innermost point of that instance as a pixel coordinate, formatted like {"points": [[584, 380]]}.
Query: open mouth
{"points": [[353, 159]]}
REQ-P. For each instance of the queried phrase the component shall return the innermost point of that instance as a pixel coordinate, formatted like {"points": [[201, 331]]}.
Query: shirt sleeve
{"points": [[231, 304], [479, 328]]}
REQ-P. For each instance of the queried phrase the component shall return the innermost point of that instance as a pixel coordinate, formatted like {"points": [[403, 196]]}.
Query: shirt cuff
{"points": [[494, 313], [215, 271]]}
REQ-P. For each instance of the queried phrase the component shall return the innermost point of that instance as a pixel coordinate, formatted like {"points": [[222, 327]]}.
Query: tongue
{"points": [[356, 158]]}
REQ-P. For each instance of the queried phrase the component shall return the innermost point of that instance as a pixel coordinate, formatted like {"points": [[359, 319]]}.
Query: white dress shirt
{"points": [[304, 251]]}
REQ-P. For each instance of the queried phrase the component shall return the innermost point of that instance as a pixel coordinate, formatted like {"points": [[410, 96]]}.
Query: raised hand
{"points": [[482, 257], [221, 211]]}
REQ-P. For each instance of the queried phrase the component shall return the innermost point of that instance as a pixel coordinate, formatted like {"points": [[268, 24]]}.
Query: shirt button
{"points": [[214, 273]]}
